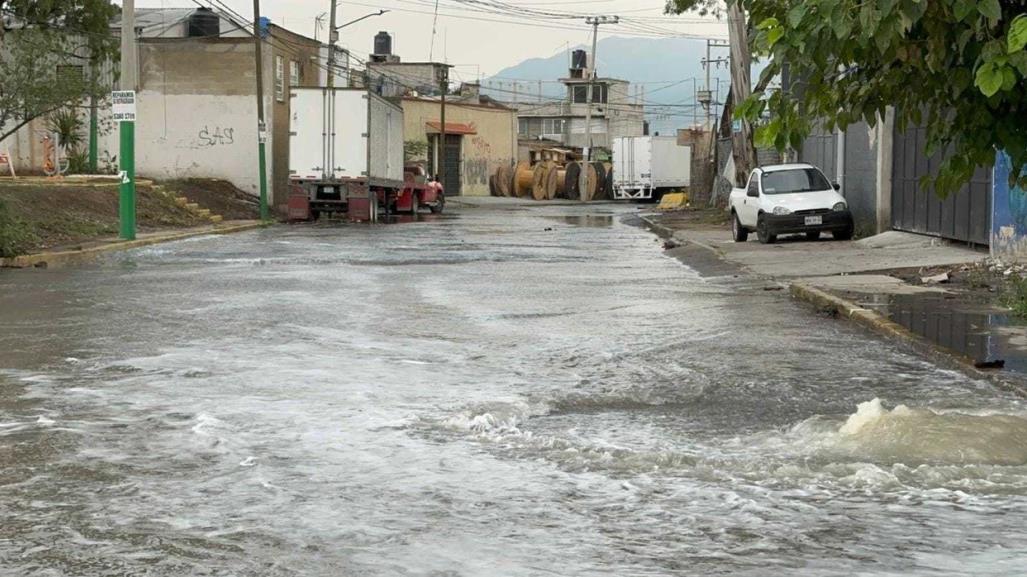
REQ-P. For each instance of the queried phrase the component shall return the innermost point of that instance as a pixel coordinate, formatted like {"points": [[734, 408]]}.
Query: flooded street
{"points": [[513, 392]]}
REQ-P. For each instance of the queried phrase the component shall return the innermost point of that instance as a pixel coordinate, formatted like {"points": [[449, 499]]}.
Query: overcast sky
{"points": [[479, 37]]}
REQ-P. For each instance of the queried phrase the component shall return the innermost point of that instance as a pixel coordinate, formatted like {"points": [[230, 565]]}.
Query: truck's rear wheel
{"points": [[738, 232]]}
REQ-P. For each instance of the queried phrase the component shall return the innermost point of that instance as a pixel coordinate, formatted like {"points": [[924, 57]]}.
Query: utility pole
{"points": [[127, 125], [333, 35], [705, 97], [261, 126], [741, 88], [595, 21], [440, 174]]}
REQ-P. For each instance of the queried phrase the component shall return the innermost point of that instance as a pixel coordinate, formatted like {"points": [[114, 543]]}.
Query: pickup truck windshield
{"points": [[792, 181]]}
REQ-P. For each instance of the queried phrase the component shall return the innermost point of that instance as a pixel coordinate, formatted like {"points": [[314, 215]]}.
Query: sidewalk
{"points": [[87, 251], [879, 283]]}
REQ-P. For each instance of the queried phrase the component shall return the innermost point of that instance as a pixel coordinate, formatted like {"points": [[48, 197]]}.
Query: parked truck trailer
{"points": [[346, 157], [646, 167]]}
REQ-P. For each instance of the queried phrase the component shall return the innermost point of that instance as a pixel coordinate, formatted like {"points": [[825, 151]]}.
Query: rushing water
{"points": [[519, 392]]}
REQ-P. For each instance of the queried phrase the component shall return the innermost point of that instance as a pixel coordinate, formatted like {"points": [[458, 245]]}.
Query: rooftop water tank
{"points": [[382, 43], [204, 23], [579, 60]]}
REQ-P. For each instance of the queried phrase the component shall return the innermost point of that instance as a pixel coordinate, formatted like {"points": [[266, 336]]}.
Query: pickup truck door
{"points": [[750, 204]]}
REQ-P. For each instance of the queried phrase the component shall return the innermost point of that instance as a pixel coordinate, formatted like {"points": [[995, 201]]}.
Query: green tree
{"points": [[958, 67], [51, 55], [414, 150]]}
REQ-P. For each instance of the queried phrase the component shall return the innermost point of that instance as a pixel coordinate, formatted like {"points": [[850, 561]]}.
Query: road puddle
{"points": [[586, 220], [986, 334]]}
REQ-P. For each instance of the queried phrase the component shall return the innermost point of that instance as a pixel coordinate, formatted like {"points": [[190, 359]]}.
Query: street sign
{"points": [[124, 105]]}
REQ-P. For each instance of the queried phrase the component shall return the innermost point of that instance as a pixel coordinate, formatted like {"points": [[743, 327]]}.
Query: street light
{"points": [[334, 34], [333, 37]]}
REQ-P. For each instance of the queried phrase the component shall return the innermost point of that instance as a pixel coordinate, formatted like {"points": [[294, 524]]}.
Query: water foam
{"points": [[923, 436]]}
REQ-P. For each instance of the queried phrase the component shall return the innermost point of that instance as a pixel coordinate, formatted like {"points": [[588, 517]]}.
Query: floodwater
{"points": [[519, 392]]}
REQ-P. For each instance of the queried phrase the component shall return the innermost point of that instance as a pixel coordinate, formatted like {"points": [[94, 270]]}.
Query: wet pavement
{"points": [[532, 391]]}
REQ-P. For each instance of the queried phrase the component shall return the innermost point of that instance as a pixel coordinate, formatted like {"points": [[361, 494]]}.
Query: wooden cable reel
{"points": [[571, 188], [523, 180], [504, 180], [544, 181]]}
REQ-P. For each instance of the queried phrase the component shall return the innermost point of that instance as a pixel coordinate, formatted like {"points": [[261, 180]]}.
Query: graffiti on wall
{"points": [[476, 171], [476, 165], [217, 137], [1009, 213]]}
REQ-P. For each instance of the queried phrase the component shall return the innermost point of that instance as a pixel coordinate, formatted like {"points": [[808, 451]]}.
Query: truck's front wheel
{"points": [[738, 232], [763, 231], [440, 204]]}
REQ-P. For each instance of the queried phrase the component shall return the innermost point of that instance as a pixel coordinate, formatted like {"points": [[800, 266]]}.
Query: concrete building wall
{"points": [[391, 79], [197, 112], [860, 170], [619, 116], [493, 143], [306, 54]]}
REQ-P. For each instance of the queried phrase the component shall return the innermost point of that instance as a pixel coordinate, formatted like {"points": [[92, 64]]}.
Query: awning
{"points": [[435, 127]]}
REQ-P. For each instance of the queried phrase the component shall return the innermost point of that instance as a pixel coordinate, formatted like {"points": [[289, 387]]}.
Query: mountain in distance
{"points": [[670, 69]]}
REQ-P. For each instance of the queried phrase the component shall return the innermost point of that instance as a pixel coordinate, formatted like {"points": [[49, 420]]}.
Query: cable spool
{"points": [[523, 180], [561, 182], [601, 179], [573, 172], [604, 190], [541, 180], [552, 181], [591, 182], [504, 180], [608, 189]]}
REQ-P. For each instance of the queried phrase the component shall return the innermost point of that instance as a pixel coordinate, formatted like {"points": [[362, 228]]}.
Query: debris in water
{"points": [[669, 244], [995, 364], [936, 279]]}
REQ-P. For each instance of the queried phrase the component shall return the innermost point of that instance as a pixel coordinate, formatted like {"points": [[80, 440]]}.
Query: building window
{"points": [[279, 79], [600, 92], [294, 73], [553, 126], [522, 126]]}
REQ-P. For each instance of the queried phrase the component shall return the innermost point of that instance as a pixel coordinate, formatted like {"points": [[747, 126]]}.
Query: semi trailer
{"points": [[646, 167], [346, 157]]}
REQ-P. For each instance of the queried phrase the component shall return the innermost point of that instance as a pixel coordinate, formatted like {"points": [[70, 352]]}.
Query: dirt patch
{"points": [[61, 216], [694, 218], [220, 196], [978, 283]]}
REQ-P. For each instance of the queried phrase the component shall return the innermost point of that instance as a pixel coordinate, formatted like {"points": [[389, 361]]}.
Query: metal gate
{"points": [[452, 177], [963, 216]]}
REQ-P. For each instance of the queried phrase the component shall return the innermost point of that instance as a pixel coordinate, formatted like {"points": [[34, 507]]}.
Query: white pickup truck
{"points": [[789, 199]]}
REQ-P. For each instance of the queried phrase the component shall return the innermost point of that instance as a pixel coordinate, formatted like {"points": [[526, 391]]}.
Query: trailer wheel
{"points": [[440, 204]]}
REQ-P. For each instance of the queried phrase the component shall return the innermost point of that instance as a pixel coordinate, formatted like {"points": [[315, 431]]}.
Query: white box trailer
{"points": [[344, 144], [645, 167]]}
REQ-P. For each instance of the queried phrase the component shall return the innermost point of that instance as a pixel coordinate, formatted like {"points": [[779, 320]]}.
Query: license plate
{"points": [[814, 220]]}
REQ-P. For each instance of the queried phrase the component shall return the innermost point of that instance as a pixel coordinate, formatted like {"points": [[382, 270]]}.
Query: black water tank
{"points": [[579, 60], [382, 43], [204, 23]]}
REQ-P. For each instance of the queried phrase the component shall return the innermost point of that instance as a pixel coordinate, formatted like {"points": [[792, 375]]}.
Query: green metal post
{"points": [[94, 144], [264, 212], [127, 203]]}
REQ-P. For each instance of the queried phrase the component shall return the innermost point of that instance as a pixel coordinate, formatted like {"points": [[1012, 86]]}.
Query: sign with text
{"points": [[124, 105]]}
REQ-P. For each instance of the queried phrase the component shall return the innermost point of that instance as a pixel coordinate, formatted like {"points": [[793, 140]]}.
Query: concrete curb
{"points": [[69, 257], [882, 325], [869, 319]]}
